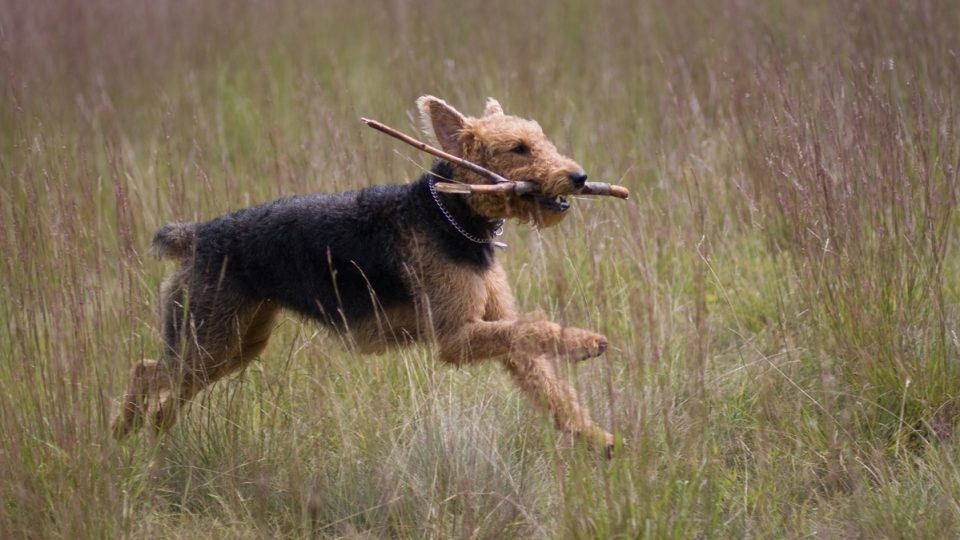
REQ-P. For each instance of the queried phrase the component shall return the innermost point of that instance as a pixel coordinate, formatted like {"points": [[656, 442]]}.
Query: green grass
{"points": [[782, 291]]}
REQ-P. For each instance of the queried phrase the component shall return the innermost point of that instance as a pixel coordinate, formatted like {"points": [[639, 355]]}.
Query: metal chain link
{"points": [[498, 231]]}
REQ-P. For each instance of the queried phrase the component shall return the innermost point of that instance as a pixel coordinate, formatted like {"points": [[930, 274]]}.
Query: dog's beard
{"points": [[541, 212]]}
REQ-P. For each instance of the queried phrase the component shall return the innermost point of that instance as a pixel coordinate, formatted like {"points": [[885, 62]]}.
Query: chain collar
{"points": [[498, 230]]}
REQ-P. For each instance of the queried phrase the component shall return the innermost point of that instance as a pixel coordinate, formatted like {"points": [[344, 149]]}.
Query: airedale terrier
{"points": [[391, 265]]}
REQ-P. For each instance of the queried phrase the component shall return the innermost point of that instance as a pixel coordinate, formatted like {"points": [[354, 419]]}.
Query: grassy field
{"points": [[782, 292]]}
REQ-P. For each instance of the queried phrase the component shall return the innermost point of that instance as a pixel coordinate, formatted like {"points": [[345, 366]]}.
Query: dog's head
{"points": [[512, 147]]}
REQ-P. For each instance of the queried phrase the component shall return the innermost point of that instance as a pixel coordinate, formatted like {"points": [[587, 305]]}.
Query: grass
{"points": [[781, 291]]}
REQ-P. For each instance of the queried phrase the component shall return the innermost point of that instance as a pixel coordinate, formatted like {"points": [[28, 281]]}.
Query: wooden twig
{"points": [[435, 151], [524, 188], [501, 184]]}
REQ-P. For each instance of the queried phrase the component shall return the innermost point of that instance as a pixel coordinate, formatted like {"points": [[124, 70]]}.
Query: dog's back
{"points": [[331, 257]]}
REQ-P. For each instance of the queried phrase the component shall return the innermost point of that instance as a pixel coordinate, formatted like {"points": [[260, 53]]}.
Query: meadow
{"points": [[781, 292]]}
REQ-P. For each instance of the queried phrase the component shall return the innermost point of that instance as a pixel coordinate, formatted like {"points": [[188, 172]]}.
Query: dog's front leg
{"points": [[480, 340], [540, 334], [480, 322], [527, 350], [537, 377]]}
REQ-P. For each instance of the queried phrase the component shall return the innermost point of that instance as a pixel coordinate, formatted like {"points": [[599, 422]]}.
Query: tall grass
{"points": [[781, 292]]}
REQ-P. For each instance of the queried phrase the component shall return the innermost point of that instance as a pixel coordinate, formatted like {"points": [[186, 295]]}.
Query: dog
{"points": [[390, 265]]}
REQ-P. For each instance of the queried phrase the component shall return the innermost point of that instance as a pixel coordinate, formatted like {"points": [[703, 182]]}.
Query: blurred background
{"points": [[781, 291]]}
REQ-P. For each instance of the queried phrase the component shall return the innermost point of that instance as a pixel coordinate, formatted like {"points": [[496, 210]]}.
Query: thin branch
{"points": [[435, 151], [524, 188]]}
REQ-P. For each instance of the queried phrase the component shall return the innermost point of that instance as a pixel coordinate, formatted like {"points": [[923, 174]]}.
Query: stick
{"points": [[501, 184], [524, 188], [435, 151]]}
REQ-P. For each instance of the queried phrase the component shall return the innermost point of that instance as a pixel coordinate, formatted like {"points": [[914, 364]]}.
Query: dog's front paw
{"points": [[581, 344], [601, 440]]}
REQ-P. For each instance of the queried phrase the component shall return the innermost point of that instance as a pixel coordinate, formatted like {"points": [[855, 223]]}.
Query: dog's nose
{"points": [[578, 178]]}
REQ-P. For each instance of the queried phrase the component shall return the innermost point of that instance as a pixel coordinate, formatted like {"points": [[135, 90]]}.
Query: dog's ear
{"points": [[493, 108], [442, 123]]}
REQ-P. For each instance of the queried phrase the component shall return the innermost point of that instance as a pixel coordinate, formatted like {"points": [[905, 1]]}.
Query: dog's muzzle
{"points": [[579, 179], [555, 204]]}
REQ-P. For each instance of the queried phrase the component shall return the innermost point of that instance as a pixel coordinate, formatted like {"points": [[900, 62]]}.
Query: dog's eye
{"points": [[520, 149]]}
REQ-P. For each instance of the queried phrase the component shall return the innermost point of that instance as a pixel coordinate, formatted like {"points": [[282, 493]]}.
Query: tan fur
{"points": [[471, 315], [486, 141], [475, 319], [492, 108]]}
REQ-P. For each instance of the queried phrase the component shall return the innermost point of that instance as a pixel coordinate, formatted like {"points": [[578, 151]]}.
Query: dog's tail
{"points": [[175, 241]]}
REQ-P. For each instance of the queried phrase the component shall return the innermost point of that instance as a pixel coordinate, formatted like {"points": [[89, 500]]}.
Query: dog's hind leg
{"points": [[148, 378], [145, 381], [223, 349]]}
